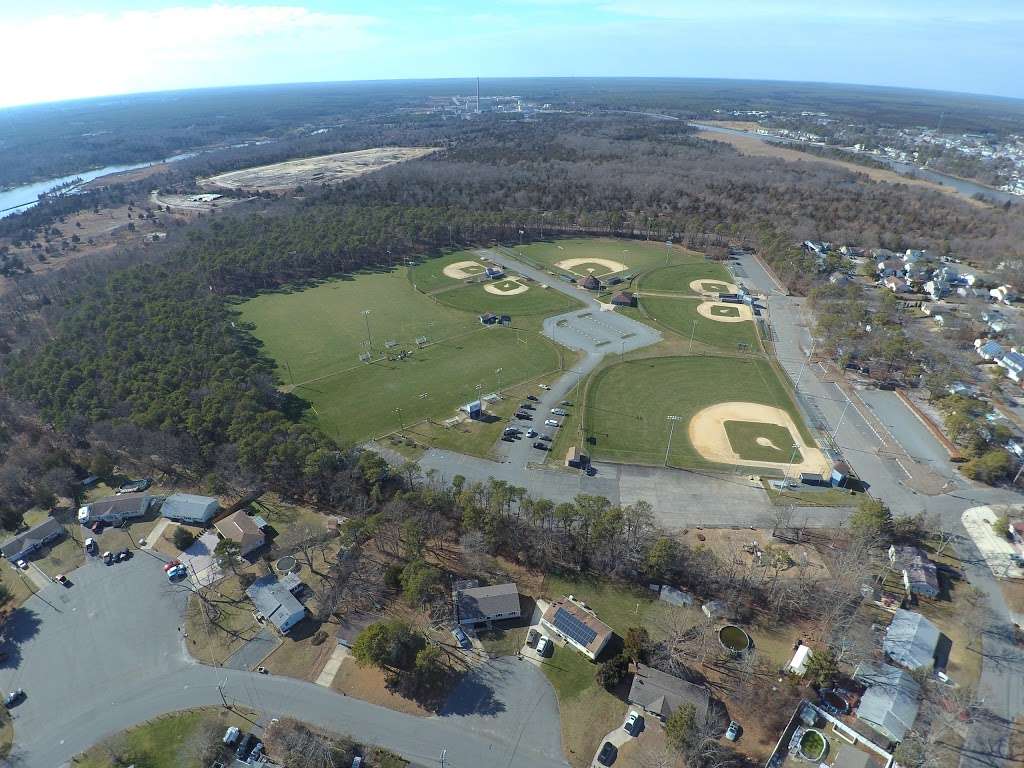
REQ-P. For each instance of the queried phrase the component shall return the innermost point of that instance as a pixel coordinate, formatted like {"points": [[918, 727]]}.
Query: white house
{"points": [[913, 256], [1004, 294], [1013, 363], [937, 289]]}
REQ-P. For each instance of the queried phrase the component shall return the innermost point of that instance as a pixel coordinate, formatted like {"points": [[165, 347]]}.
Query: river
{"points": [[20, 198], [963, 186]]}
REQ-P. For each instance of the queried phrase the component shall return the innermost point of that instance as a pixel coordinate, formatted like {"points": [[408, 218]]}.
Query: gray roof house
{"points": [[36, 537], [660, 694], [891, 701], [911, 640], [189, 508], [276, 602], [477, 605], [920, 575], [116, 509]]}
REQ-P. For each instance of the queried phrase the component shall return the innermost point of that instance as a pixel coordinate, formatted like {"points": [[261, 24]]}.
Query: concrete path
{"points": [[37, 576], [158, 530], [330, 670]]}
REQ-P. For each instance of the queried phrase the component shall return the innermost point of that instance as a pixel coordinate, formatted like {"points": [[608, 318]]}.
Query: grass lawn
{"points": [[627, 403], [164, 742], [680, 314], [320, 331], [636, 255], [368, 684], [65, 554], [744, 436], [232, 628], [808, 496], [429, 275], [535, 301], [677, 279]]}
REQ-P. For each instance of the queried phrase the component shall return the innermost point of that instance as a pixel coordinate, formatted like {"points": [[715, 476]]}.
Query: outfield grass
{"points": [[628, 403], [316, 336], [637, 255], [677, 278], [536, 301], [429, 275], [743, 436], [679, 315]]}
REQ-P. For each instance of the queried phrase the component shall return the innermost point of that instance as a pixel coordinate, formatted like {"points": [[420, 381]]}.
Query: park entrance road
{"points": [[106, 654]]}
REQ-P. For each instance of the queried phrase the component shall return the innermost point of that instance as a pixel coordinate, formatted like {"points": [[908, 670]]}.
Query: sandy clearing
{"points": [[708, 435], [609, 264], [755, 147], [460, 270], [499, 289], [705, 307], [322, 169], [697, 286]]}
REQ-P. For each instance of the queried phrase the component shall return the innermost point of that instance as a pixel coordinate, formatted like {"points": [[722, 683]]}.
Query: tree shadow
{"points": [[472, 696], [21, 625]]}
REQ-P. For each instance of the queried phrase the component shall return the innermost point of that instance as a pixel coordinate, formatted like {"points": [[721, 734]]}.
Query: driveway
{"points": [[199, 558], [106, 654], [253, 652], [617, 737], [998, 553]]}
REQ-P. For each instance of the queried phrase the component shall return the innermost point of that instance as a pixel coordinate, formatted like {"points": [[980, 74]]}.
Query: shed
{"points": [[189, 508], [591, 283], [624, 299], [488, 318], [811, 478], [840, 474], [798, 664], [575, 459], [475, 409]]}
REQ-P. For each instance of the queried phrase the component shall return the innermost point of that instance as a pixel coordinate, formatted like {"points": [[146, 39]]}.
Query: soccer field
{"points": [[317, 335], [628, 404], [680, 315]]}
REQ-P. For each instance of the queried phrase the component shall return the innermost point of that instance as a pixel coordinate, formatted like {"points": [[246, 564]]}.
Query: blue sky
{"points": [[63, 49]]}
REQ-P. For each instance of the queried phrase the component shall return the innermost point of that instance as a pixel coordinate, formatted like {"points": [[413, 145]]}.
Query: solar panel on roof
{"points": [[573, 628]]}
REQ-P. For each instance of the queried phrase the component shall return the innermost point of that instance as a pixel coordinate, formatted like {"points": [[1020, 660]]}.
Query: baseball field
{"points": [[709, 322], [602, 257], [692, 279], [732, 412], [426, 358]]}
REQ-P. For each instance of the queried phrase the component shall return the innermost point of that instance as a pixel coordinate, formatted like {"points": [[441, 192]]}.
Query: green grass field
{"points": [[677, 278], [536, 301], [429, 275], [316, 336], [627, 403], [679, 315], [743, 436], [636, 255]]}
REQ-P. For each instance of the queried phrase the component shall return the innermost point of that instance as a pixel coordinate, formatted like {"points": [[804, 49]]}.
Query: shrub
{"points": [[319, 637], [182, 538]]}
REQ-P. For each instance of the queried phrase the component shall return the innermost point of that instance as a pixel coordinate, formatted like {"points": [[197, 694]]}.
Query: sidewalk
{"points": [[330, 670]]}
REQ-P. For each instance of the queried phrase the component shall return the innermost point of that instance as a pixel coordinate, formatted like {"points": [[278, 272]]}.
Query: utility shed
{"points": [[189, 508], [911, 640]]}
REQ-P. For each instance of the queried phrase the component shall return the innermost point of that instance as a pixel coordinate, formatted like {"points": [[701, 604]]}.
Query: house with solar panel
{"points": [[571, 620]]}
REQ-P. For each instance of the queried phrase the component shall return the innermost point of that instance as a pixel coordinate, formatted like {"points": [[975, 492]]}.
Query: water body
{"points": [[20, 198], [963, 186]]}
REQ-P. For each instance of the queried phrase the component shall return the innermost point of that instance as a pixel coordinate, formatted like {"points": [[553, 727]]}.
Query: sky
{"points": [[63, 49]]}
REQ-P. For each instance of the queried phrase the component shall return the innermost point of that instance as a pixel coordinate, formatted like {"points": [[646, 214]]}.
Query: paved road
{"points": [[106, 654]]}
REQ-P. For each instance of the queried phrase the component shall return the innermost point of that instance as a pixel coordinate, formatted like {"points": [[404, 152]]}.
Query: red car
{"points": [[171, 564]]}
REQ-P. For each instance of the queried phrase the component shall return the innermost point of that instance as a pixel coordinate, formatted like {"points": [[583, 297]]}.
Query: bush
{"points": [[182, 538], [991, 467], [613, 672], [393, 577], [319, 637]]}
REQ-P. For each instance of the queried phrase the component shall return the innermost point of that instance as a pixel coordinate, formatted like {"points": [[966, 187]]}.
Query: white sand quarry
{"points": [[612, 266], [697, 286], [506, 287], [743, 313], [460, 270], [708, 435]]}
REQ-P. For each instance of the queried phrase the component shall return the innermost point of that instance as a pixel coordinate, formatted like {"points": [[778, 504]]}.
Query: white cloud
{"points": [[62, 56]]}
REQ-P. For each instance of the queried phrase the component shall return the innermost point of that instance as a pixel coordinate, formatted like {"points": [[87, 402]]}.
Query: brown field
{"points": [[755, 147], [124, 177], [736, 125], [323, 169]]}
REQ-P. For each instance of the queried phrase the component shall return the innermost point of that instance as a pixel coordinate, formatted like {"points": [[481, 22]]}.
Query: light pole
{"points": [[785, 475], [835, 432], [672, 421], [693, 330], [498, 374], [803, 365], [369, 338], [401, 424]]}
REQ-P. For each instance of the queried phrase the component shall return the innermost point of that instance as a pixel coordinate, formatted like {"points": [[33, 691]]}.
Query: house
{"points": [[481, 605], [920, 576], [882, 254], [960, 388], [189, 508], [114, 510], [889, 267], [965, 292], [936, 288], [913, 256], [579, 626], [1000, 326], [917, 274], [971, 279], [988, 349], [243, 530], [911, 640], [624, 299], [660, 694], [851, 251], [29, 542], [276, 601], [891, 701], [815, 247], [591, 283], [1013, 363], [896, 284], [1003, 294]]}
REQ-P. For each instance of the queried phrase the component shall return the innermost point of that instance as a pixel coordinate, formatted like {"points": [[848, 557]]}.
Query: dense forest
{"points": [[139, 356]]}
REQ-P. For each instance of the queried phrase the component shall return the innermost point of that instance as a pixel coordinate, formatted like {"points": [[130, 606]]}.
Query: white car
{"points": [[632, 724], [551, 423], [22, 564], [544, 386], [558, 412]]}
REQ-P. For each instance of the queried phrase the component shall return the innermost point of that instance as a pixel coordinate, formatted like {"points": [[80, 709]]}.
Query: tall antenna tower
{"points": [[478, 95]]}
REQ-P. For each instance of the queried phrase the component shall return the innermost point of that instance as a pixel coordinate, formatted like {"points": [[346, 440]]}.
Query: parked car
{"points": [[528, 406], [546, 438], [541, 446], [607, 754], [461, 638], [231, 736], [357, 761], [508, 439], [108, 558], [733, 731], [532, 637], [245, 746], [90, 546], [124, 554], [14, 697], [531, 433], [177, 572], [170, 564], [22, 564], [60, 578], [559, 412], [551, 423], [524, 415], [633, 723], [545, 646], [544, 386], [533, 397], [566, 403]]}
